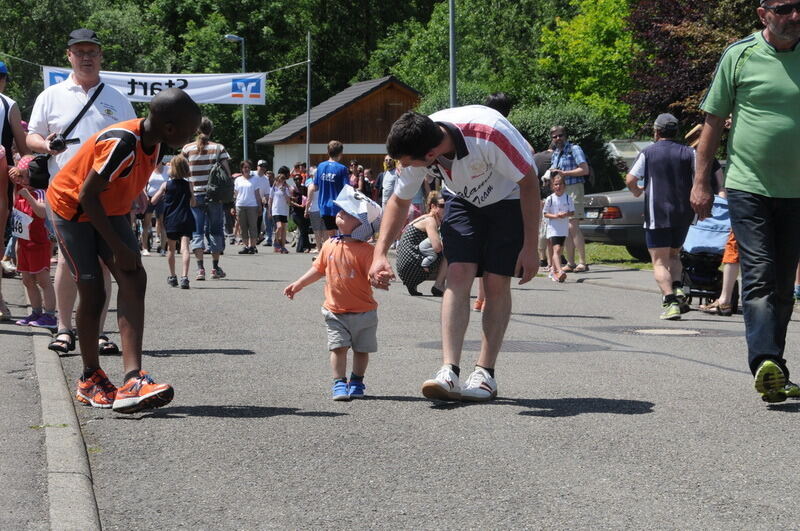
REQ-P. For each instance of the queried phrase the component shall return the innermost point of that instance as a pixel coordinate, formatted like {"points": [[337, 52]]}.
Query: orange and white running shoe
{"points": [[141, 393], [96, 391]]}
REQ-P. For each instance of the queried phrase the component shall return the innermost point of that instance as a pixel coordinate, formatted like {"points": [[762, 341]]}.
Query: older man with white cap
{"points": [[667, 168]]}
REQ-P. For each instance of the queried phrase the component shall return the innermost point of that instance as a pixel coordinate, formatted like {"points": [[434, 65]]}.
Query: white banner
{"points": [[238, 89]]}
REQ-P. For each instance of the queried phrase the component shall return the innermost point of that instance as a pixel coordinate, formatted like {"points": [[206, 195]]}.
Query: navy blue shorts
{"points": [[490, 236], [672, 237]]}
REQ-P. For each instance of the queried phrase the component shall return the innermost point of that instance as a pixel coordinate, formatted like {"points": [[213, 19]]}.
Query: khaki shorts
{"points": [[356, 330], [575, 191]]}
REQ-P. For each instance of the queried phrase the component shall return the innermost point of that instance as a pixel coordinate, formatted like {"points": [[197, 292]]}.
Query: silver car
{"points": [[617, 218]]}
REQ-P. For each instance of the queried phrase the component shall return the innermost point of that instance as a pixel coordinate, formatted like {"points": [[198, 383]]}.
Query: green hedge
{"points": [[584, 127]]}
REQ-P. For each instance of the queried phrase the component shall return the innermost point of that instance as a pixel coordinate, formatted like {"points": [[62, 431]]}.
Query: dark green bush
{"points": [[584, 127]]}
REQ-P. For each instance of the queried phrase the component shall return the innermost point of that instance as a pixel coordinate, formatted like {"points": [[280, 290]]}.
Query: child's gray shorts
{"points": [[356, 330]]}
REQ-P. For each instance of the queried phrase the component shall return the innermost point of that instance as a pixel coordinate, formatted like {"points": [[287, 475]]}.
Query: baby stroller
{"points": [[702, 255]]}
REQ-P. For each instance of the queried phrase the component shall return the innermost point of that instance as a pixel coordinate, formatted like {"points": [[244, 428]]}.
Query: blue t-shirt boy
{"points": [[329, 180]]}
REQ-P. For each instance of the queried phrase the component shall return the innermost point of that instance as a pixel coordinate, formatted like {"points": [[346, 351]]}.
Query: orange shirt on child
{"points": [[345, 265], [117, 154]]}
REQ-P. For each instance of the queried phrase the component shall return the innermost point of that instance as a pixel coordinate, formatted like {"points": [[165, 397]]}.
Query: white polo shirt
{"points": [[491, 158], [59, 104]]}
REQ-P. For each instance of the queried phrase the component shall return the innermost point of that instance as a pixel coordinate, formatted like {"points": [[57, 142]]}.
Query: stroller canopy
{"points": [[710, 234]]}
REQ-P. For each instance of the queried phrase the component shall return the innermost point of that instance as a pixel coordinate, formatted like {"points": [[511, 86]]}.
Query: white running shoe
{"points": [[443, 386], [480, 386]]}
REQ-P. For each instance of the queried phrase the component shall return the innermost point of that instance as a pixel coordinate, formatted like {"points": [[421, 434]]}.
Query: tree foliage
{"points": [[186, 36], [588, 56], [496, 41], [680, 44]]}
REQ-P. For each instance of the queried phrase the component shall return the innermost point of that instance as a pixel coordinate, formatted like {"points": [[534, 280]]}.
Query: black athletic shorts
{"points": [[82, 245], [330, 222], [557, 240], [490, 236], [282, 219]]}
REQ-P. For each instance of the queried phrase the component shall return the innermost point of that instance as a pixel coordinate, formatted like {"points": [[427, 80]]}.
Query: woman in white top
{"points": [[248, 201], [157, 178], [279, 197]]}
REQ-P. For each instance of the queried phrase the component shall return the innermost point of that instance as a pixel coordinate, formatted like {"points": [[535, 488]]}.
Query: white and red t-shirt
{"points": [[491, 158]]}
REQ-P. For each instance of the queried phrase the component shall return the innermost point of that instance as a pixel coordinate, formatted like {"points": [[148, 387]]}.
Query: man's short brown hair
{"points": [[335, 148]]}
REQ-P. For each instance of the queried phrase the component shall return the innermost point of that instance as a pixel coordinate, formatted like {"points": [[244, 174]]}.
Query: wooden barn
{"points": [[360, 117]]}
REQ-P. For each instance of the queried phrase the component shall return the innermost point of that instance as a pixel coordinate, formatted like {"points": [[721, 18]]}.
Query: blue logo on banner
{"points": [[58, 77], [246, 87]]}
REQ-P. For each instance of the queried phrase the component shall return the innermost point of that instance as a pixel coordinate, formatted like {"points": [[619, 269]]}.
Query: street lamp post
{"points": [[235, 38]]}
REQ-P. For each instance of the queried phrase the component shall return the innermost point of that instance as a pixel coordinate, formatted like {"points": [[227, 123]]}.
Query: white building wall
{"points": [[288, 154]]}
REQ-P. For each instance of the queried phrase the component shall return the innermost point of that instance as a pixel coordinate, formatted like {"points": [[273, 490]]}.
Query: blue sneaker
{"points": [[340, 390], [356, 389]]}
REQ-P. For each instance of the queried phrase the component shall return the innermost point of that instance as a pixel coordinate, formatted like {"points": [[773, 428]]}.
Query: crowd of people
{"points": [[449, 181]]}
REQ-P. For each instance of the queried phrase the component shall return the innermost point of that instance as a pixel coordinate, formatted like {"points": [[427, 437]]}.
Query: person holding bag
{"points": [[54, 110]]}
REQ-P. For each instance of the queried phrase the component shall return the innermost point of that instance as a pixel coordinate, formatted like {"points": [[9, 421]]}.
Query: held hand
{"points": [[381, 274], [527, 264], [127, 259], [701, 200]]}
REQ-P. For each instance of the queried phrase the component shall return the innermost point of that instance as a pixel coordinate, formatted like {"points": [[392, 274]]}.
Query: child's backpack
{"points": [[220, 184]]}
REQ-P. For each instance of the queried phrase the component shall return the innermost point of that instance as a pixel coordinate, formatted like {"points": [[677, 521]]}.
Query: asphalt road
{"points": [[598, 424]]}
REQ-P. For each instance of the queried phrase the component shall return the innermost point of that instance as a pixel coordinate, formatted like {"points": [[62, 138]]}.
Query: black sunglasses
{"points": [[557, 136], [784, 9]]}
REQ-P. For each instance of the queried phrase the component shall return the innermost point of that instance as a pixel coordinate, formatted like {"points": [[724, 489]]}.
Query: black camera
{"points": [[59, 143]]}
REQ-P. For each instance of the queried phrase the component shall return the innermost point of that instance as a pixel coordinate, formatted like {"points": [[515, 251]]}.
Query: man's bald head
{"points": [[175, 116], [172, 104]]}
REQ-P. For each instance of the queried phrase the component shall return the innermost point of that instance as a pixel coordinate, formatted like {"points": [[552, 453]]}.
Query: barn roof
{"points": [[329, 107]]}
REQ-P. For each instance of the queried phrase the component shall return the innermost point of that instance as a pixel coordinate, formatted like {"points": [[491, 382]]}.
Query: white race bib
{"points": [[21, 225]]}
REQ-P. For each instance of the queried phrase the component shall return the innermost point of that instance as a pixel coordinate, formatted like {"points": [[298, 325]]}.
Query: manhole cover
{"points": [[667, 332], [511, 345]]}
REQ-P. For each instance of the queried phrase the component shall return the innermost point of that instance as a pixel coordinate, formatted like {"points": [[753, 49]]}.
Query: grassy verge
{"points": [[600, 253]]}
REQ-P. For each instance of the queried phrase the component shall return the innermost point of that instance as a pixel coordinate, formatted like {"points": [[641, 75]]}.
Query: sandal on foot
{"points": [[106, 347], [5, 313], [581, 268], [717, 308], [63, 346]]}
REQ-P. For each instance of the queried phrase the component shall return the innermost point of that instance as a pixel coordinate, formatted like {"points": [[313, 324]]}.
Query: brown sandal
{"points": [[717, 308]]}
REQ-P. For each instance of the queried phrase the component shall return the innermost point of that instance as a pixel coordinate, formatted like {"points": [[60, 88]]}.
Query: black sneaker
{"points": [[245, 250], [172, 281], [184, 282]]}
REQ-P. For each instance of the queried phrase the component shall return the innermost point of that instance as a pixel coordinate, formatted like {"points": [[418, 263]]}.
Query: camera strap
{"points": [[89, 103]]}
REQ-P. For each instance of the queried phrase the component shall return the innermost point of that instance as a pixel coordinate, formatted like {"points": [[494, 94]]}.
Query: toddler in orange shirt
{"points": [[351, 312]]}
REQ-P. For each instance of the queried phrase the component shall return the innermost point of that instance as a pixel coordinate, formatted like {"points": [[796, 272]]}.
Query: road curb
{"points": [[70, 489]]}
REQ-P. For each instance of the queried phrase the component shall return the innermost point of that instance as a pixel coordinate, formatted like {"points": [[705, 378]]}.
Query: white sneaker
{"points": [[480, 386], [8, 267], [443, 386]]}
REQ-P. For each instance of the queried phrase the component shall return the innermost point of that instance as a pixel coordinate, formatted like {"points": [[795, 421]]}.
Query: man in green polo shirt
{"points": [[758, 82]]}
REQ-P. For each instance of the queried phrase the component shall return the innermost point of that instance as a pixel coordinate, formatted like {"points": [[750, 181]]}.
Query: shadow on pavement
{"points": [[249, 412], [563, 407], [396, 398], [570, 407], [788, 407], [187, 351]]}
